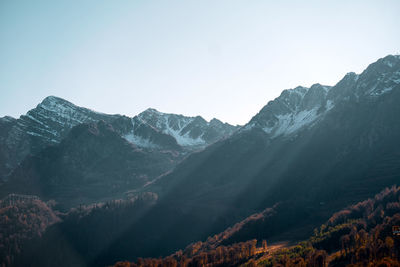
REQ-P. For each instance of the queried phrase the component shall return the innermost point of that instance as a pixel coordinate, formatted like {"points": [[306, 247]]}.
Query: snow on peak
{"points": [[391, 60], [186, 131], [301, 90], [317, 86], [177, 126], [299, 107], [54, 116], [352, 76], [380, 77], [57, 105], [291, 122], [292, 110], [152, 111]]}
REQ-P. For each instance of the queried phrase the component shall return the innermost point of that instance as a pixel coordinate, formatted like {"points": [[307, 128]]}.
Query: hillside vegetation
{"points": [[360, 235]]}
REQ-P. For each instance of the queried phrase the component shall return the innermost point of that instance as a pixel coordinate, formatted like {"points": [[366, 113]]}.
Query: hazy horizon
{"points": [[214, 59]]}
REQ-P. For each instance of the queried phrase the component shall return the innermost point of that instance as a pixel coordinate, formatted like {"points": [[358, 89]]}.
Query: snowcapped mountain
{"points": [[54, 117], [152, 128], [91, 163], [292, 110], [301, 107], [50, 121]]}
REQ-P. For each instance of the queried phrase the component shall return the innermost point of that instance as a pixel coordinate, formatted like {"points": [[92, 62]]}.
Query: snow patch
{"points": [[139, 141], [182, 140], [388, 63], [381, 92], [329, 105], [163, 123], [34, 134], [290, 123], [36, 120]]}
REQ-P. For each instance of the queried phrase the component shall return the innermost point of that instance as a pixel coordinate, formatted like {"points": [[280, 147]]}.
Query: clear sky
{"points": [[223, 59]]}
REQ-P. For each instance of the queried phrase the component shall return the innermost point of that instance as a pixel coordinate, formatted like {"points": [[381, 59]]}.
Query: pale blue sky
{"points": [[223, 59]]}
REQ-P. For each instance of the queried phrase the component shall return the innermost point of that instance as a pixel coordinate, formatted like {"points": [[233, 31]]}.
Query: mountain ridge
{"points": [[51, 120], [296, 108]]}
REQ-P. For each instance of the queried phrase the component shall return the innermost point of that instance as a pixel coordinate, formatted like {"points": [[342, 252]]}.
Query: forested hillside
{"points": [[21, 219], [360, 235]]}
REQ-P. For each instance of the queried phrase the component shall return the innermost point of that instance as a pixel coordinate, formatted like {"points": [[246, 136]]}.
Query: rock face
{"points": [[44, 125], [53, 118], [302, 107], [152, 128], [292, 110]]}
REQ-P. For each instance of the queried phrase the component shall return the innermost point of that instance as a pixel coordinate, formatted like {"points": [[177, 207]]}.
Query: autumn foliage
{"points": [[360, 235], [21, 219]]}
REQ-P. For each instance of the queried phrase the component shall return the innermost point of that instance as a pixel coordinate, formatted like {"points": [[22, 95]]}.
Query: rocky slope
{"points": [[44, 125], [187, 132], [92, 163], [54, 117], [301, 107]]}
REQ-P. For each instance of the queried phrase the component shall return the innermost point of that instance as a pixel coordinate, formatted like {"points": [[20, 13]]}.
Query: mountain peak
{"points": [[383, 65], [152, 110], [319, 86], [216, 121], [301, 90], [351, 75], [55, 105], [7, 119], [54, 100], [188, 131], [301, 106], [390, 60]]}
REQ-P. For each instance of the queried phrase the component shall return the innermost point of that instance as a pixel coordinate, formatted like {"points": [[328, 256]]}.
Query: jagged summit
{"points": [[7, 119], [151, 128], [54, 117], [351, 75], [390, 60], [301, 107], [152, 112], [187, 131], [291, 111], [54, 99]]}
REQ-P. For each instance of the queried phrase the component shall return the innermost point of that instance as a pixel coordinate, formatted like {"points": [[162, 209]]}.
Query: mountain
{"points": [[314, 149], [308, 137], [152, 128], [292, 110], [305, 155], [44, 125], [54, 117], [300, 107], [92, 163]]}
